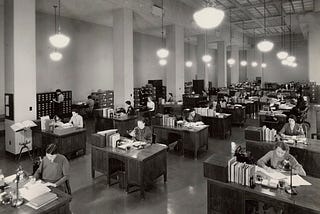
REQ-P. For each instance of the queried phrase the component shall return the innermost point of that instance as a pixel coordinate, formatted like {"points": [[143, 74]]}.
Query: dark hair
{"points": [[75, 110], [142, 120], [291, 116], [128, 102], [58, 90], [89, 97], [171, 94], [52, 149], [282, 145], [191, 110]]}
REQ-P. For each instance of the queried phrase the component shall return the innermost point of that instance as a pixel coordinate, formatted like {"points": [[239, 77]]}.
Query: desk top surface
{"points": [[73, 131], [122, 118], [219, 116], [183, 129], [24, 209], [137, 154]]}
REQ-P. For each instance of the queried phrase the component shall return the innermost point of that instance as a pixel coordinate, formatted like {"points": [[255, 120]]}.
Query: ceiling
{"points": [[246, 15]]}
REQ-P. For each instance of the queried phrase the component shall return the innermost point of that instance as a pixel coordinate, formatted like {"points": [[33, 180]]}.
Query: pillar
{"points": [[314, 47], [221, 64], [175, 69], [202, 70], [234, 71], [20, 67], [122, 56]]}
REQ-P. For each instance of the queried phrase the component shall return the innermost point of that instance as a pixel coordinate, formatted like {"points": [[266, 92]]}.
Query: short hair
{"points": [[128, 102], [52, 149], [142, 119], [75, 110], [171, 94], [191, 110], [89, 97], [282, 145], [58, 90], [292, 116]]}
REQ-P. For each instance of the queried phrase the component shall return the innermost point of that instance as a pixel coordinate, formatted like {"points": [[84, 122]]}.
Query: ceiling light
{"points": [[163, 62], [162, 52], [265, 45], [294, 64], [284, 62], [282, 55], [231, 61], [208, 17], [55, 56], [206, 58], [291, 58], [254, 64], [209, 65], [189, 64], [243, 63], [263, 65]]}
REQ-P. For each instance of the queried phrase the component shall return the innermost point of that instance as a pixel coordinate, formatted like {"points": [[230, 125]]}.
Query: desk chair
{"points": [[24, 146]]}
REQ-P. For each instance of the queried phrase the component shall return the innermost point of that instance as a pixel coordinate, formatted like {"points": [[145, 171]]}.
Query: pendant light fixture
{"points": [[254, 62], [282, 54], [263, 64], [265, 45], [206, 57], [162, 52], [188, 62], [291, 58], [163, 62], [230, 61], [55, 55], [208, 17], [243, 62], [59, 40]]}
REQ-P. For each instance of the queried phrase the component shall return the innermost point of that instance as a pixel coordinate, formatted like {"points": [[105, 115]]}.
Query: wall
{"points": [[2, 80], [87, 63], [190, 53]]}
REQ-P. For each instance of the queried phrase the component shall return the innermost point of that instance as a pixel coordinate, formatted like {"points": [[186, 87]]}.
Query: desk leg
{"points": [[93, 173]]}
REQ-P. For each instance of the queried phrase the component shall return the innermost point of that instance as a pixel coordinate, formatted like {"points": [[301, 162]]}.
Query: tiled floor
{"points": [[184, 192]]}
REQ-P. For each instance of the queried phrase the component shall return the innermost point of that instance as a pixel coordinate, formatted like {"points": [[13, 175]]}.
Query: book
{"points": [[43, 199], [23, 125], [230, 162]]}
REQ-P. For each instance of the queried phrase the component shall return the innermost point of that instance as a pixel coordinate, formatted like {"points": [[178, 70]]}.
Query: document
{"points": [[23, 125], [273, 175], [297, 180], [33, 190]]}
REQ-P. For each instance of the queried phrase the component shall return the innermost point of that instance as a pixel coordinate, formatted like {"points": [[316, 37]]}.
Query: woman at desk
{"points": [[278, 158], [193, 116], [58, 102], [57, 121], [54, 168], [76, 119], [130, 109], [141, 132], [291, 128], [150, 105]]}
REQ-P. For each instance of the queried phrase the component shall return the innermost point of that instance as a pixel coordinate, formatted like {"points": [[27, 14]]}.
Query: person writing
{"points": [[193, 116], [150, 105], [54, 168], [130, 109], [170, 98], [57, 121], [291, 128], [76, 119], [141, 132], [278, 158], [58, 102]]}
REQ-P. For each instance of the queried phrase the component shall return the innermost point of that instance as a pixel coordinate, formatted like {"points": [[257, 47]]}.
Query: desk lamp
{"points": [[290, 190], [20, 174]]}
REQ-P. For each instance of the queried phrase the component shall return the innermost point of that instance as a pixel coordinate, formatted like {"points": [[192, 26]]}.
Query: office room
{"points": [[162, 106]]}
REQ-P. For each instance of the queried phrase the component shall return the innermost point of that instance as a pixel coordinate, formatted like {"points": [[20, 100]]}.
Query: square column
{"points": [[202, 69], [314, 48], [221, 64], [234, 70], [122, 56], [20, 67], [175, 66]]}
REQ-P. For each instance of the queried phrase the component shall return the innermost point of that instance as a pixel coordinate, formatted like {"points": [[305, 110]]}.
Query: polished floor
{"points": [[184, 192]]}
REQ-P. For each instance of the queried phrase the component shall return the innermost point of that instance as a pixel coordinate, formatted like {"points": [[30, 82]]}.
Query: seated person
{"points": [[277, 159], [150, 105], [291, 128], [193, 116], [57, 121], [90, 103], [170, 98], [141, 132], [130, 109], [76, 119], [54, 168]]}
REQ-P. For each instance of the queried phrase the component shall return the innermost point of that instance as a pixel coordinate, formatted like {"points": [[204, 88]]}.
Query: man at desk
{"points": [[76, 119], [141, 132], [130, 109], [193, 116], [291, 128], [278, 158]]}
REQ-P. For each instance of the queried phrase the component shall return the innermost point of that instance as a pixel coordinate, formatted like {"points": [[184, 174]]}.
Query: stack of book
{"points": [[168, 121], [240, 173], [42, 200], [111, 139], [268, 134], [205, 112]]}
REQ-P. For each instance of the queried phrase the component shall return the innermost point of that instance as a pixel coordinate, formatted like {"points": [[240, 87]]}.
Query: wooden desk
{"points": [[230, 198], [238, 114], [192, 139], [307, 155], [59, 206], [219, 126], [70, 144], [123, 124], [141, 166], [276, 124]]}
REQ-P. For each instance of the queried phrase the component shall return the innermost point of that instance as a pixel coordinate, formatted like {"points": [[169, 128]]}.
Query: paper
{"points": [[273, 175], [9, 179], [297, 180], [33, 190], [23, 125]]}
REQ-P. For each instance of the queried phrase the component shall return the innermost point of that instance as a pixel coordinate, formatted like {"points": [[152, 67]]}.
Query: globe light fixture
{"points": [[254, 64], [294, 65], [206, 58], [284, 62], [162, 53], [265, 45], [243, 63], [55, 56], [163, 62], [231, 61], [282, 55], [208, 17], [208, 65], [291, 58], [189, 64], [58, 40], [263, 65]]}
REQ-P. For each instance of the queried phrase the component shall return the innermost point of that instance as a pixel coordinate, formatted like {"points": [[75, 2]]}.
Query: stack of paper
{"points": [[31, 191]]}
